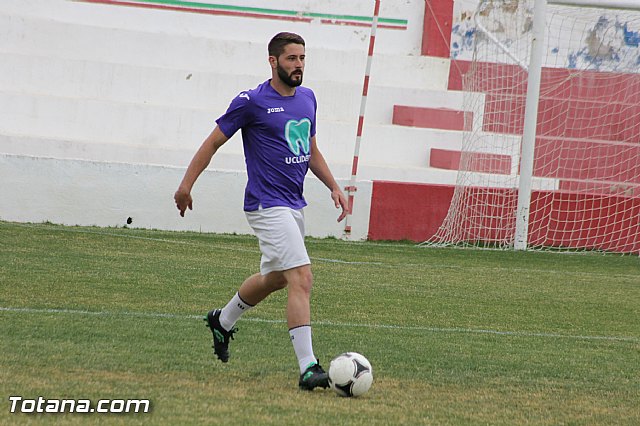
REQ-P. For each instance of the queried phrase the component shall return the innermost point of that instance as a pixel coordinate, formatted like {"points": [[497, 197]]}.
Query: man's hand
{"points": [[199, 162], [340, 201], [183, 200]]}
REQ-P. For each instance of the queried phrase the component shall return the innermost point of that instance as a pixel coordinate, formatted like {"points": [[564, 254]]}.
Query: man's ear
{"points": [[273, 61]]}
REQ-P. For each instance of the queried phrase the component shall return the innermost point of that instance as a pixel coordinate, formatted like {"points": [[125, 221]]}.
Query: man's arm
{"points": [[319, 167], [200, 161]]}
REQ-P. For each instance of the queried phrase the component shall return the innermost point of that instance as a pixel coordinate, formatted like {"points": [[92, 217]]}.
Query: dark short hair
{"points": [[280, 40]]}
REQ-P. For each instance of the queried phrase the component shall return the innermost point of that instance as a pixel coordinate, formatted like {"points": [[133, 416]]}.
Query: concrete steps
{"points": [[211, 91], [44, 37], [101, 121], [95, 90]]}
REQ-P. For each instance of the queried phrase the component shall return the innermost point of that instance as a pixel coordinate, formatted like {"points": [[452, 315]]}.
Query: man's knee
{"points": [[275, 281], [300, 277]]}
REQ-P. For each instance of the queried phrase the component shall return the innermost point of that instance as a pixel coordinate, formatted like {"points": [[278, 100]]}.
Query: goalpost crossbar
{"points": [[600, 4]]}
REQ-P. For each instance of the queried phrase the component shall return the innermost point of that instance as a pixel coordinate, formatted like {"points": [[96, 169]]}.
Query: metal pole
{"points": [[530, 122], [351, 189]]}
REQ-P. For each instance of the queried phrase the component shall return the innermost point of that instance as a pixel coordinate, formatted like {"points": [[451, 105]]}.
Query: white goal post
{"points": [[564, 74], [530, 123], [602, 4], [531, 105]]}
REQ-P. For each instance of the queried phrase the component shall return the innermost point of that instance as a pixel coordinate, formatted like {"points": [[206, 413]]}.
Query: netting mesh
{"points": [[586, 174]]}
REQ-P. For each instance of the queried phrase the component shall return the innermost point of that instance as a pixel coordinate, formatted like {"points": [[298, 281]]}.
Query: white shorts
{"points": [[280, 231]]}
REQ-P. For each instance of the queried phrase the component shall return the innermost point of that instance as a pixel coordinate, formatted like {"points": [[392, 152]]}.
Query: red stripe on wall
{"points": [[436, 34], [481, 162], [198, 10], [407, 211], [431, 118], [241, 14], [412, 211]]}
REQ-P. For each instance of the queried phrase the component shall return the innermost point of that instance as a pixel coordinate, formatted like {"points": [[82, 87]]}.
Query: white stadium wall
{"points": [[109, 193], [102, 105]]}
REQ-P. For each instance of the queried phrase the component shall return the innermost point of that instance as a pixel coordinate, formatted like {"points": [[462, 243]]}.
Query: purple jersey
{"points": [[276, 134]]}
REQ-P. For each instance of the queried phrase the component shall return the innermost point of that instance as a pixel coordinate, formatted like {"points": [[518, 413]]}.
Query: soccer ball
{"points": [[350, 374]]}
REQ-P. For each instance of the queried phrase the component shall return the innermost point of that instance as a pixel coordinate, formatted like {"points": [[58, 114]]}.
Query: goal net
{"points": [[585, 180]]}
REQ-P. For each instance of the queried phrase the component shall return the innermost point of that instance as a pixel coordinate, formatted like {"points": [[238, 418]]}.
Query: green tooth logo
{"points": [[297, 134]]}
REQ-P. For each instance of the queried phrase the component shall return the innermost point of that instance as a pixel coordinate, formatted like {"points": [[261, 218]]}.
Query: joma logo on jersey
{"points": [[277, 109]]}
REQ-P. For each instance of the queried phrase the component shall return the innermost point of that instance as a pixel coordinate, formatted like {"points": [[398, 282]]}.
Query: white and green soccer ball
{"points": [[350, 374]]}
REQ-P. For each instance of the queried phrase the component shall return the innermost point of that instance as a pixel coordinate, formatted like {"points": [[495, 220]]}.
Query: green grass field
{"points": [[454, 336]]}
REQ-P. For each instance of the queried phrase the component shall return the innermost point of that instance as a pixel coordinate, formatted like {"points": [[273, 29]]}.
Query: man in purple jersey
{"points": [[278, 123]]}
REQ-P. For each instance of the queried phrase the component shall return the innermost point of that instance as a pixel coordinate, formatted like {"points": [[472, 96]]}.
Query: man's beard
{"points": [[286, 78]]}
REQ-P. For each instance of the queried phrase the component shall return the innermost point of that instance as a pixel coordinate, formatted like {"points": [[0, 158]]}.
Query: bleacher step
{"points": [[431, 118]]}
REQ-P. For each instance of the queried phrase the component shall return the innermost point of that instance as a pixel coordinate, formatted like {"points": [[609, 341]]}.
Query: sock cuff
{"points": [[299, 326], [243, 301]]}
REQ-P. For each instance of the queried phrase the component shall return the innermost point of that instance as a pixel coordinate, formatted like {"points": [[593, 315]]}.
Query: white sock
{"points": [[233, 311], [301, 340]]}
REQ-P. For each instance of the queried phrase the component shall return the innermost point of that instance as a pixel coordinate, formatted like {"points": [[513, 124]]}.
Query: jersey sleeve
{"points": [[237, 115], [312, 133]]}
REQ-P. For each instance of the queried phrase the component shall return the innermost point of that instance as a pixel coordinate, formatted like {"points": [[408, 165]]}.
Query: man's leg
{"points": [[252, 291], [300, 281]]}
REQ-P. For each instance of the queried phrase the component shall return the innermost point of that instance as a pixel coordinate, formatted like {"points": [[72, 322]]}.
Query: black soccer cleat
{"points": [[313, 377], [221, 336]]}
